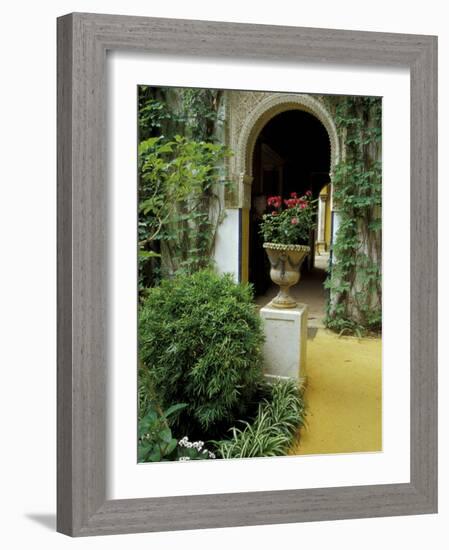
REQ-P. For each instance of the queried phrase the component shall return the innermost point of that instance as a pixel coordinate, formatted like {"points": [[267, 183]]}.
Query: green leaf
{"points": [[146, 254], [143, 451], [154, 455], [165, 435], [174, 408], [171, 446], [147, 144]]}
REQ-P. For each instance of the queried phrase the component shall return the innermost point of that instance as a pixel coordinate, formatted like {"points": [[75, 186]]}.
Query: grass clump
{"points": [[273, 430]]}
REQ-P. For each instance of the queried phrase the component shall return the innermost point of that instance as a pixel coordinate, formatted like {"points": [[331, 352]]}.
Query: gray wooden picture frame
{"points": [[83, 40]]}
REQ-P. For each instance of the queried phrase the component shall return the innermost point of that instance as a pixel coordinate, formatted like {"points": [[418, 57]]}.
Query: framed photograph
{"points": [[247, 274]]}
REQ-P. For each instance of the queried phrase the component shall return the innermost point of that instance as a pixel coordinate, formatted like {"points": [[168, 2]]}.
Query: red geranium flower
{"points": [[275, 201], [291, 203]]}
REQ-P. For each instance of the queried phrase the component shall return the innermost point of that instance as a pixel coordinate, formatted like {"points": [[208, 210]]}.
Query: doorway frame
{"points": [[258, 116]]}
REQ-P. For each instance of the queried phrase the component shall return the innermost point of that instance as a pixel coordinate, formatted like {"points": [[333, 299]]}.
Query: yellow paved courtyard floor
{"points": [[343, 395]]}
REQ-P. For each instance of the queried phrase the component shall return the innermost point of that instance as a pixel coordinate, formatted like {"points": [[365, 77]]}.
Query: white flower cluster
{"points": [[184, 442], [198, 445]]}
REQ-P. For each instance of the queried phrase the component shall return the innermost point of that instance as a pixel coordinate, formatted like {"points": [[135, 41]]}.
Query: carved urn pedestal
{"points": [[285, 321], [285, 262]]}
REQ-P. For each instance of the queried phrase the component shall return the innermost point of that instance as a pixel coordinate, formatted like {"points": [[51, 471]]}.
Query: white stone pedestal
{"points": [[285, 341]]}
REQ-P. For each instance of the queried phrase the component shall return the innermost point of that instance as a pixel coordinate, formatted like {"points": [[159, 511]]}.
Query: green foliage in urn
{"points": [[290, 220], [355, 280], [273, 430], [200, 341]]}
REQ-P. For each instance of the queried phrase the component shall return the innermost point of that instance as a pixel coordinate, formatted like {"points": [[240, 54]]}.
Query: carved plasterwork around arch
{"points": [[249, 112]]}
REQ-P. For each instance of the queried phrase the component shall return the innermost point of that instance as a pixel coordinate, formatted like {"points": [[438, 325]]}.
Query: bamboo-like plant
{"points": [[200, 344]]}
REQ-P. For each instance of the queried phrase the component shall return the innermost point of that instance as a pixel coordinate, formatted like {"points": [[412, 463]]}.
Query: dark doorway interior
{"points": [[292, 153]]}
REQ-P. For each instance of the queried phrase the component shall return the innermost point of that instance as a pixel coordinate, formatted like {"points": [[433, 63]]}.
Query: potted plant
{"points": [[286, 231]]}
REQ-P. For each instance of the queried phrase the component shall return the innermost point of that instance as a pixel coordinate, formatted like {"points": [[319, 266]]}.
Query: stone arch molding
{"points": [[263, 112]]}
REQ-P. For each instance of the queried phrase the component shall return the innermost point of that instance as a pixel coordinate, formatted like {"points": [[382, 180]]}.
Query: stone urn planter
{"points": [[285, 262]]}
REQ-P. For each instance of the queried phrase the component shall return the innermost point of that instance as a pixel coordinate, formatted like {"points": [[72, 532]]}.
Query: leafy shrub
{"points": [[200, 343], [156, 441], [273, 430]]}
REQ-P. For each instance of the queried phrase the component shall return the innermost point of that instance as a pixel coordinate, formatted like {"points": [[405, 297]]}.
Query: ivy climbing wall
{"points": [[355, 279], [181, 183]]}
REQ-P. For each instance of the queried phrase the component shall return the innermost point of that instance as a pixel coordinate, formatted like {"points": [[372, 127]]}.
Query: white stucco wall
{"points": [[335, 225], [226, 252]]}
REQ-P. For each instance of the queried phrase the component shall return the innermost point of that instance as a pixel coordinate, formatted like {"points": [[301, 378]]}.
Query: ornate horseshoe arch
{"points": [[263, 112]]}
